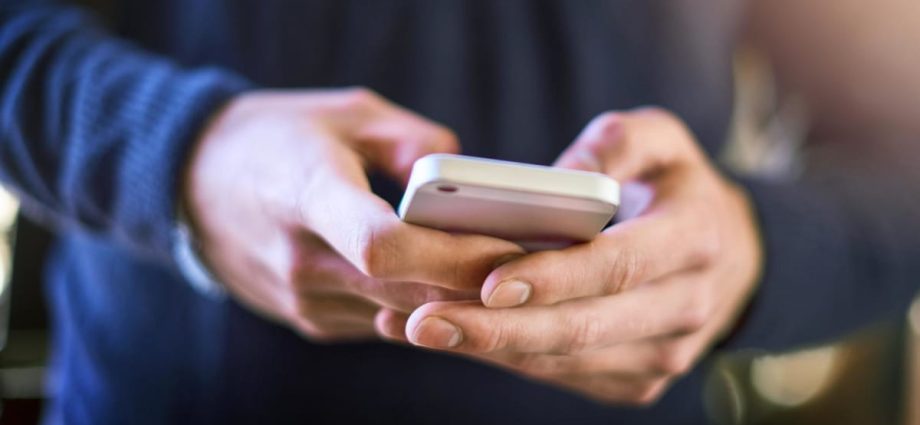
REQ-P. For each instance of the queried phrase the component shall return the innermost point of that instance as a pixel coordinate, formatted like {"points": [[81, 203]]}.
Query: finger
{"points": [[674, 306], [262, 296], [667, 356], [643, 359], [323, 311], [390, 137], [322, 271], [408, 296], [365, 230], [631, 145], [334, 318], [391, 325], [622, 257], [338, 206]]}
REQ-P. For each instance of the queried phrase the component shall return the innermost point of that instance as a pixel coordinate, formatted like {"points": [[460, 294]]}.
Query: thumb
{"points": [[630, 146], [391, 138], [393, 144]]}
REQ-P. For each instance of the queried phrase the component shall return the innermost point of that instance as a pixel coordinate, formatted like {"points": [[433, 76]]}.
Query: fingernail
{"points": [[510, 293], [436, 332]]}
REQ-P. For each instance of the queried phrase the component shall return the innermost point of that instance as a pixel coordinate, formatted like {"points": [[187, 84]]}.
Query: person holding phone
{"points": [[150, 133]]}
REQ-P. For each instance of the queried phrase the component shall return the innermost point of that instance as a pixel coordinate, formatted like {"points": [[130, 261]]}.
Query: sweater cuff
{"points": [[155, 161], [806, 258]]}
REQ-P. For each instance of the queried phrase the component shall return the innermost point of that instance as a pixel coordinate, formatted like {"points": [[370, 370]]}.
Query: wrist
{"points": [[186, 249], [187, 255]]}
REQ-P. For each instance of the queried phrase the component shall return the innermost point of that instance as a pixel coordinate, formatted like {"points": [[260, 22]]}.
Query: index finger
{"points": [[365, 230], [622, 257], [387, 135], [670, 307], [631, 145]]}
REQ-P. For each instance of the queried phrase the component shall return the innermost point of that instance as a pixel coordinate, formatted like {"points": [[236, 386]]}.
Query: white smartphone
{"points": [[536, 206]]}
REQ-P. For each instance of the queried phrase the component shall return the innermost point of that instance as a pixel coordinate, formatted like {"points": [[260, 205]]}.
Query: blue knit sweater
{"points": [[96, 121]]}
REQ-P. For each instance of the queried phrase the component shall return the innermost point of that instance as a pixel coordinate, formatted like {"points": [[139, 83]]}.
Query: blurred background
{"points": [[872, 377]]}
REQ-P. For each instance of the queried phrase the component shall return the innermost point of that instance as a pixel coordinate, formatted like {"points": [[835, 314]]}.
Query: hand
{"points": [[622, 316], [277, 193]]}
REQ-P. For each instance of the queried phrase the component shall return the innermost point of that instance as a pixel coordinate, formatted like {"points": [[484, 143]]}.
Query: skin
{"points": [[296, 235], [618, 318], [613, 319], [325, 268], [618, 321]]}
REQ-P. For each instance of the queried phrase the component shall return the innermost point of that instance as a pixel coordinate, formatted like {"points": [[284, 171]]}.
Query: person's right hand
{"points": [[277, 194]]}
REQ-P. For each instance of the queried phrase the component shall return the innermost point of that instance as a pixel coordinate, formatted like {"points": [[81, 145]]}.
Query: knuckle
{"points": [[375, 251], [359, 97], [494, 339], [351, 102], [543, 365], [446, 140], [624, 271], [608, 123], [457, 275], [697, 313], [671, 122], [604, 129], [584, 331], [695, 318], [705, 234], [708, 248]]}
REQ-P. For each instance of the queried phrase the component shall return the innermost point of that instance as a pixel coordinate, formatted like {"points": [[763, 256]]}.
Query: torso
{"points": [[516, 79]]}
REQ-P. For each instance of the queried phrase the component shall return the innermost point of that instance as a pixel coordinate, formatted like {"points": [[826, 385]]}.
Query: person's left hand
{"points": [[620, 317]]}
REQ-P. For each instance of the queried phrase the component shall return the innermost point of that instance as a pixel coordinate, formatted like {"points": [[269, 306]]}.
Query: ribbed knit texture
{"points": [[94, 132]]}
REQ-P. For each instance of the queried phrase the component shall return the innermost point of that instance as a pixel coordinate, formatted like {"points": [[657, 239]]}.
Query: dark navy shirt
{"points": [[98, 107]]}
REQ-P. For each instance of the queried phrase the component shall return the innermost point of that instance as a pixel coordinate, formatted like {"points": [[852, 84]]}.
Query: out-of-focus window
{"points": [[869, 378], [9, 207]]}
